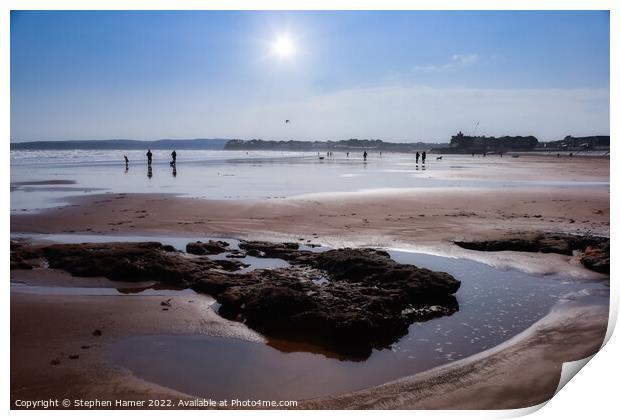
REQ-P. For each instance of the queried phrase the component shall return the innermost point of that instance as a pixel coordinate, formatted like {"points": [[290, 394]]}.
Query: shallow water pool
{"points": [[495, 305]]}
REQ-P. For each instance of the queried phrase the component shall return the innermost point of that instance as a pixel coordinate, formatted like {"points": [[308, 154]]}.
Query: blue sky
{"points": [[399, 76]]}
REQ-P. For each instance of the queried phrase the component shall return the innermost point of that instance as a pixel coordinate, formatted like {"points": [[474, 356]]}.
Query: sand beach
{"points": [[62, 339]]}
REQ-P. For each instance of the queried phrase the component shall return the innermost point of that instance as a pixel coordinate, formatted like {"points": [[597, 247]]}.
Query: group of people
{"points": [[149, 162], [173, 162], [149, 158], [418, 155]]}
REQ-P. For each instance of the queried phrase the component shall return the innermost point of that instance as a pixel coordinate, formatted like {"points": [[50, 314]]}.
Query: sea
{"points": [[42, 179]]}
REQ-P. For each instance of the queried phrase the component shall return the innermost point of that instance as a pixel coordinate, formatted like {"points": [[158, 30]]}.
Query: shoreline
{"points": [[499, 378]]}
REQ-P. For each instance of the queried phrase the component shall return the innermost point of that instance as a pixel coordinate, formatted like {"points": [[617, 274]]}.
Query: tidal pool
{"points": [[494, 305]]}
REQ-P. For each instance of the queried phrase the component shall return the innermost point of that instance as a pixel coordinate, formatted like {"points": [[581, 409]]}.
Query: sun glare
{"points": [[283, 47]]}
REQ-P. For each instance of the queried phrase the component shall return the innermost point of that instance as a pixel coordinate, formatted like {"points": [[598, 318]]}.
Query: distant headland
{"points": [[459, 143], [341, 145], [122, 144]]}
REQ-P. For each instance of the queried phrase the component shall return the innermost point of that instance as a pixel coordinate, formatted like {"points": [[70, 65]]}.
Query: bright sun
{"points": [[283, 47]]}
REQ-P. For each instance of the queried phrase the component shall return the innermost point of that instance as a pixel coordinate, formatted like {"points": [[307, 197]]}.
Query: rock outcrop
{"points": [[206, 248], [594, 249], [347, 300]]}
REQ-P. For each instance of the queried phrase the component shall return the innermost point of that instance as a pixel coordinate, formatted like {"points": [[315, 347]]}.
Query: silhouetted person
{"points": [[365, 154], [149, 157], [417, 157], [174, 158], [126, 160], [347, 154], [423, 158]]}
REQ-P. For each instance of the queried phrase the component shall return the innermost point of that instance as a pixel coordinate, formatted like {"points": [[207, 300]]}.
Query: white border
{"points": [[593, 394]]}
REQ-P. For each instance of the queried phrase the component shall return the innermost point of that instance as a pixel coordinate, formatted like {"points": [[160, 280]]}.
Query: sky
{"points": [[400, 76]]}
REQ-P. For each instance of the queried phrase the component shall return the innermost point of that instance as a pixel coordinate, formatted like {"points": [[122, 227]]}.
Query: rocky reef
{"points": [[348, 301], [593, 250], [206, 248]]}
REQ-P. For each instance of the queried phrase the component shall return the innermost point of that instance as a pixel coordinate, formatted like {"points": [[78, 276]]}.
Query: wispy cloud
{"points": [[456, 61]]}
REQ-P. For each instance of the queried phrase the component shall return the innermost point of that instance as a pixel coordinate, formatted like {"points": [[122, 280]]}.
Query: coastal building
{"points": [[461, 143]]}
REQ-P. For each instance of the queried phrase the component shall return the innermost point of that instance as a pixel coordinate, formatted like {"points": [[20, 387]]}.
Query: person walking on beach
{"points": [[174, 158], [126, 161], [423, 158], [149, 157], [417, 157], [365, 154]]}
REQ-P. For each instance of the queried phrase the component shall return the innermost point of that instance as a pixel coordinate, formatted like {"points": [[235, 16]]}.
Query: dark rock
{"points": [[596, 258], [236, 254], [369, 301], [74, 356], [139, 261], [97, 333], [229, 265], [346, 300], [23, 257], [595, 248], [20, 265], [206, 248], [268, 249]]}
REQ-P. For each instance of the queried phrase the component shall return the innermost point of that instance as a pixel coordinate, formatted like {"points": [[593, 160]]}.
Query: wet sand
{"points": [[48, 331], [390, 217], [522, 372]]}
